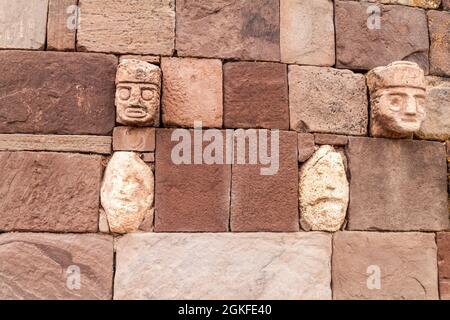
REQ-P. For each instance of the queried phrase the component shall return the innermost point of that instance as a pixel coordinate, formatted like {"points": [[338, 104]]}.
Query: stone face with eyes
{"points": [[397, 94], [138, 88]]}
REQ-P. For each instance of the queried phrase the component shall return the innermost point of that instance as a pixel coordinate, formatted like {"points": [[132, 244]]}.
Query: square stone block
{"points": [[134, 139], [439, 26]]}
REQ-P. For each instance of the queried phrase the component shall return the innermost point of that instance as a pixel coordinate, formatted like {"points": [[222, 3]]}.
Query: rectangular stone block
{"points": [[370, 39], [307, 32], [330, 139], [327, 100], [443, 243], [439, 28], [223, 266], [427, 4], [189, 197], [134, 139], [256, 95], [57, 143], [266, 202], [44, 266], [147, 58], [397, 185], [192, 91], [385, 266], [23, 24], [62, 24], [141, 27], [245, 30], [306, 146], [47, 191], [57, 93]]}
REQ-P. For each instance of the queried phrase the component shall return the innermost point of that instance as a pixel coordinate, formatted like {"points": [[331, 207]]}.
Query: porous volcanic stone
{"points": [[59, 93], [439, 26], [443, 242]]}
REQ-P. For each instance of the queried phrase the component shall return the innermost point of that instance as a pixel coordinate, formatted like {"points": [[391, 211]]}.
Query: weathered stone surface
{"points": [[306, 146], [327, 100], [142, 27], [23, 24], [223, 266], [405, 264], [62, 24], [446, 4], [147, 223], [58, 143], [439, 26], [39, 266], [134, 139], [402, 35], [397, 185], [436, 125], [245, 30], [103, 225], [307, 32], [55, 92], [331, 139], [189, 197], [48, 191], [323, 191], [192, 91], [397, 99], [147, 58], [256, 95], [427, 4], [443, 242], [148, 156], [127, 191], [267, 202]]}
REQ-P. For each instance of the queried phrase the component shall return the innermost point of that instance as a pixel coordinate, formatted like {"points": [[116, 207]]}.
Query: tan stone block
{"points": [[134, 139], [147, 58]]}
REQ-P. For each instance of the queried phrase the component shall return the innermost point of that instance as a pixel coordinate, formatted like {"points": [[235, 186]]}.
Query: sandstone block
{"points": [[403, 187], [245, 30], [361, 45], [306, 146], [192, 91], [443, 242], [307, 32], [387, 266], [141, 27], [134, 139], [327, 100], [38, 266], [23, 24], [439, 26], [256, 95], [62, 24], [331, 139], [427, 4], [223, 266], [57, 93], [147, 58]]}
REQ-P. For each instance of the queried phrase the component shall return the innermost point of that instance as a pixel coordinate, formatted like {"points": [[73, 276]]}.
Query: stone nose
{"points": [[411, 106]]}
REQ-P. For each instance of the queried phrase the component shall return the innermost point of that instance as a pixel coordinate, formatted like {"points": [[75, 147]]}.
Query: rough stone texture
{"points": [[39, 266], [223, 266], [427, 4], [323, 191], [307, 32], [127, 191], [134, 139], [436, 125], [148, 156], [406, 261], [267, 202], [141, 27], [103, 225], [327, 100], [48, 191], [245, 30], [57, 93], [397, 185], [443, 242], [58, 143], [256, 95], [189, 197], [61, 26], [306, 146], [147, 58], [23, 24], [439, 26], [403, 35], [331, 139], [147, 223], [446, 4], [192, 91]]}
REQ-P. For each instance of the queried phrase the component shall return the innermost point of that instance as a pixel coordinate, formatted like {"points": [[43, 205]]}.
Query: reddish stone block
{"points": [[39, 266], [267, 202], [443, 242], [331, 139], [134, 139], [60, 30], [439, 27], [46, 191], [246, 29], [55, 92], [306, 146], [446, 4], [256, 95], [189, 197]]}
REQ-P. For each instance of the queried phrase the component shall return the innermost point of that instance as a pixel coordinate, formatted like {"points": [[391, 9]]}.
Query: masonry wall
{"points": [[222, 231]]}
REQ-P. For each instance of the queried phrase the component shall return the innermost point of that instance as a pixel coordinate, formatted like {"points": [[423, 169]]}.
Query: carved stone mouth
{"points": [[136, 112]]}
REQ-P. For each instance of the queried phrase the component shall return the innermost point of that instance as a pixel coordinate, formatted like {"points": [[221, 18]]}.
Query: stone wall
{"points": [[94, 206]]}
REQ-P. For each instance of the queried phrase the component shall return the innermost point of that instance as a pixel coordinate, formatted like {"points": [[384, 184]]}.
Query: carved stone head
{"points": [[138, 88], [397, 96]]}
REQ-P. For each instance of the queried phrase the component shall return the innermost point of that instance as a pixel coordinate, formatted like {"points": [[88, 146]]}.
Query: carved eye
{"points": [[147, 94], [395, 102], [124, 93]]}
